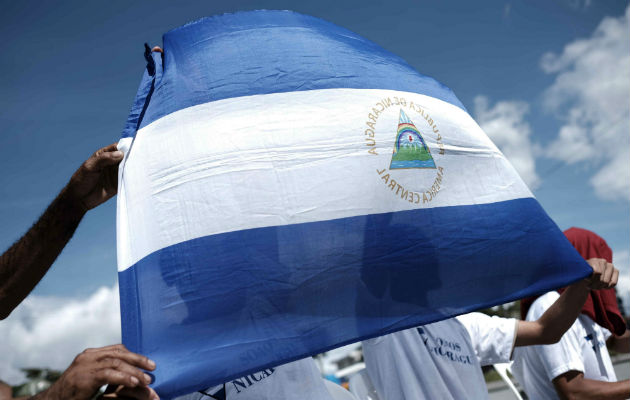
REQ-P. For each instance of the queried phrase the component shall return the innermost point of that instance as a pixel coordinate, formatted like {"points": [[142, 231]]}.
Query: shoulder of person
{"points": [[541, 304], [472, 316], [478, 318], [482, 324]]}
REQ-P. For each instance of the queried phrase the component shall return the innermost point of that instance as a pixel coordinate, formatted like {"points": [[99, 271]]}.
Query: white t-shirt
{"points": [[440, 360], [297, 380], [582, 348]]}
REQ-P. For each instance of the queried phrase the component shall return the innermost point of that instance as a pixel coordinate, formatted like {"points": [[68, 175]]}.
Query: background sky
{"points": [[549, 81]]}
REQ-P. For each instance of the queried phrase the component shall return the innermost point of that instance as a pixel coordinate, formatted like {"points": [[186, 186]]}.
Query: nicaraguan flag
{"points": [[289, 187]]}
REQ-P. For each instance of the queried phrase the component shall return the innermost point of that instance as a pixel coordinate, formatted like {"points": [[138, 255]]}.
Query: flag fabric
{"points": [[289, 187]]}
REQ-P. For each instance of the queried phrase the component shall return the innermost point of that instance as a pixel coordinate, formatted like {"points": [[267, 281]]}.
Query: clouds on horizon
{"points": [[48, 332]]}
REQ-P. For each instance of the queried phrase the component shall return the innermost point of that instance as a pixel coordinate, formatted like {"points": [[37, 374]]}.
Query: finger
{"points": [[138, 393], [107, 348], [596, 276], [597, 264], [111, 147], [109, 155], [109, 179], [122, 366], [607, 274], [134, 359], [98, 162], [123, 392], [85, 357], [110, 376]]}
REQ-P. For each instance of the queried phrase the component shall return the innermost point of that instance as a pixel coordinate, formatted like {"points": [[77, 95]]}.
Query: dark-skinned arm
{"points": [[558, 318], [573, 386], [24, 264]]}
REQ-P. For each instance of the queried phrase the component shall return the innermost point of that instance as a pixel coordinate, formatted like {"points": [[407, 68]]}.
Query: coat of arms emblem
{"points": [[410, 149]]}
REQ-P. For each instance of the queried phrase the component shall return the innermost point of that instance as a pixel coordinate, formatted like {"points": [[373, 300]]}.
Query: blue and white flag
{"points": [[289, 187]]}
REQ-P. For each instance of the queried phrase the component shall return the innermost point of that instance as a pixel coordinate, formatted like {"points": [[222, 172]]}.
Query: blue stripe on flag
{"points": [[239, 302], [263, 52]]}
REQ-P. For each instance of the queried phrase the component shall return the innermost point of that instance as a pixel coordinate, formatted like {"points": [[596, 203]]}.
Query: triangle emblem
{"points": [[410, 149]]}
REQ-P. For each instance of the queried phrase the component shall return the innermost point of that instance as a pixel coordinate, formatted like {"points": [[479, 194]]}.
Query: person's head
{"points": [[588, 244]]}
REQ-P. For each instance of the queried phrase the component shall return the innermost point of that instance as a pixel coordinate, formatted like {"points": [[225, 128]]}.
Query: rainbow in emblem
{"points": [[410, 150]]}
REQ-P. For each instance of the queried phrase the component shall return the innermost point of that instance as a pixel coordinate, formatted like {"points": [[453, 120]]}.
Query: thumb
{"points": [[102, 159]]}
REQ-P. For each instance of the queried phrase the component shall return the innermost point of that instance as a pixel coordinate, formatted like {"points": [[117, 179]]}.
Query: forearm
{"points": [[562, 314], [45, 395], [558, 318], [52, 393], [24, 264], [581, 388]]}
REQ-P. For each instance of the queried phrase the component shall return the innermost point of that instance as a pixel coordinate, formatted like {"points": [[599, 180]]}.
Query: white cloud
{"points": [[591, 95], [621, 259], [505, 125], [50, 331]]}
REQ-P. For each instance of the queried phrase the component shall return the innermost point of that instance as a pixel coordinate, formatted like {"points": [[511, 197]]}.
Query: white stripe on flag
{"points": [[287, 158]]}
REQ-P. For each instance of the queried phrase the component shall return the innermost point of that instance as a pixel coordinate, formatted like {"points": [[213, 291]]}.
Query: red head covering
{"points": [[601, 305]]}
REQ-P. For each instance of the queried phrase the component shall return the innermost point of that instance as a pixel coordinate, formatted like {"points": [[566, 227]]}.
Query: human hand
{"points": [[93, 368], [604, 276], [96, 180]]}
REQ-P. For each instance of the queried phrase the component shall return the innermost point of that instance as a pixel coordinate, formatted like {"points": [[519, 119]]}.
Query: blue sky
{"points": [[547, 80]]}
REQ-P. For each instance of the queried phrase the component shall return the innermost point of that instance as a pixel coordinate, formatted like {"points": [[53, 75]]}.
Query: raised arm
{"points": [[558, 318], [24, 264]]}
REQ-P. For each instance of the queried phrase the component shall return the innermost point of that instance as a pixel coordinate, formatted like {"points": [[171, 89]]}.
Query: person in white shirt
{"points": [[578, 366], [443, 360], [296, 380], [581, 351]]}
